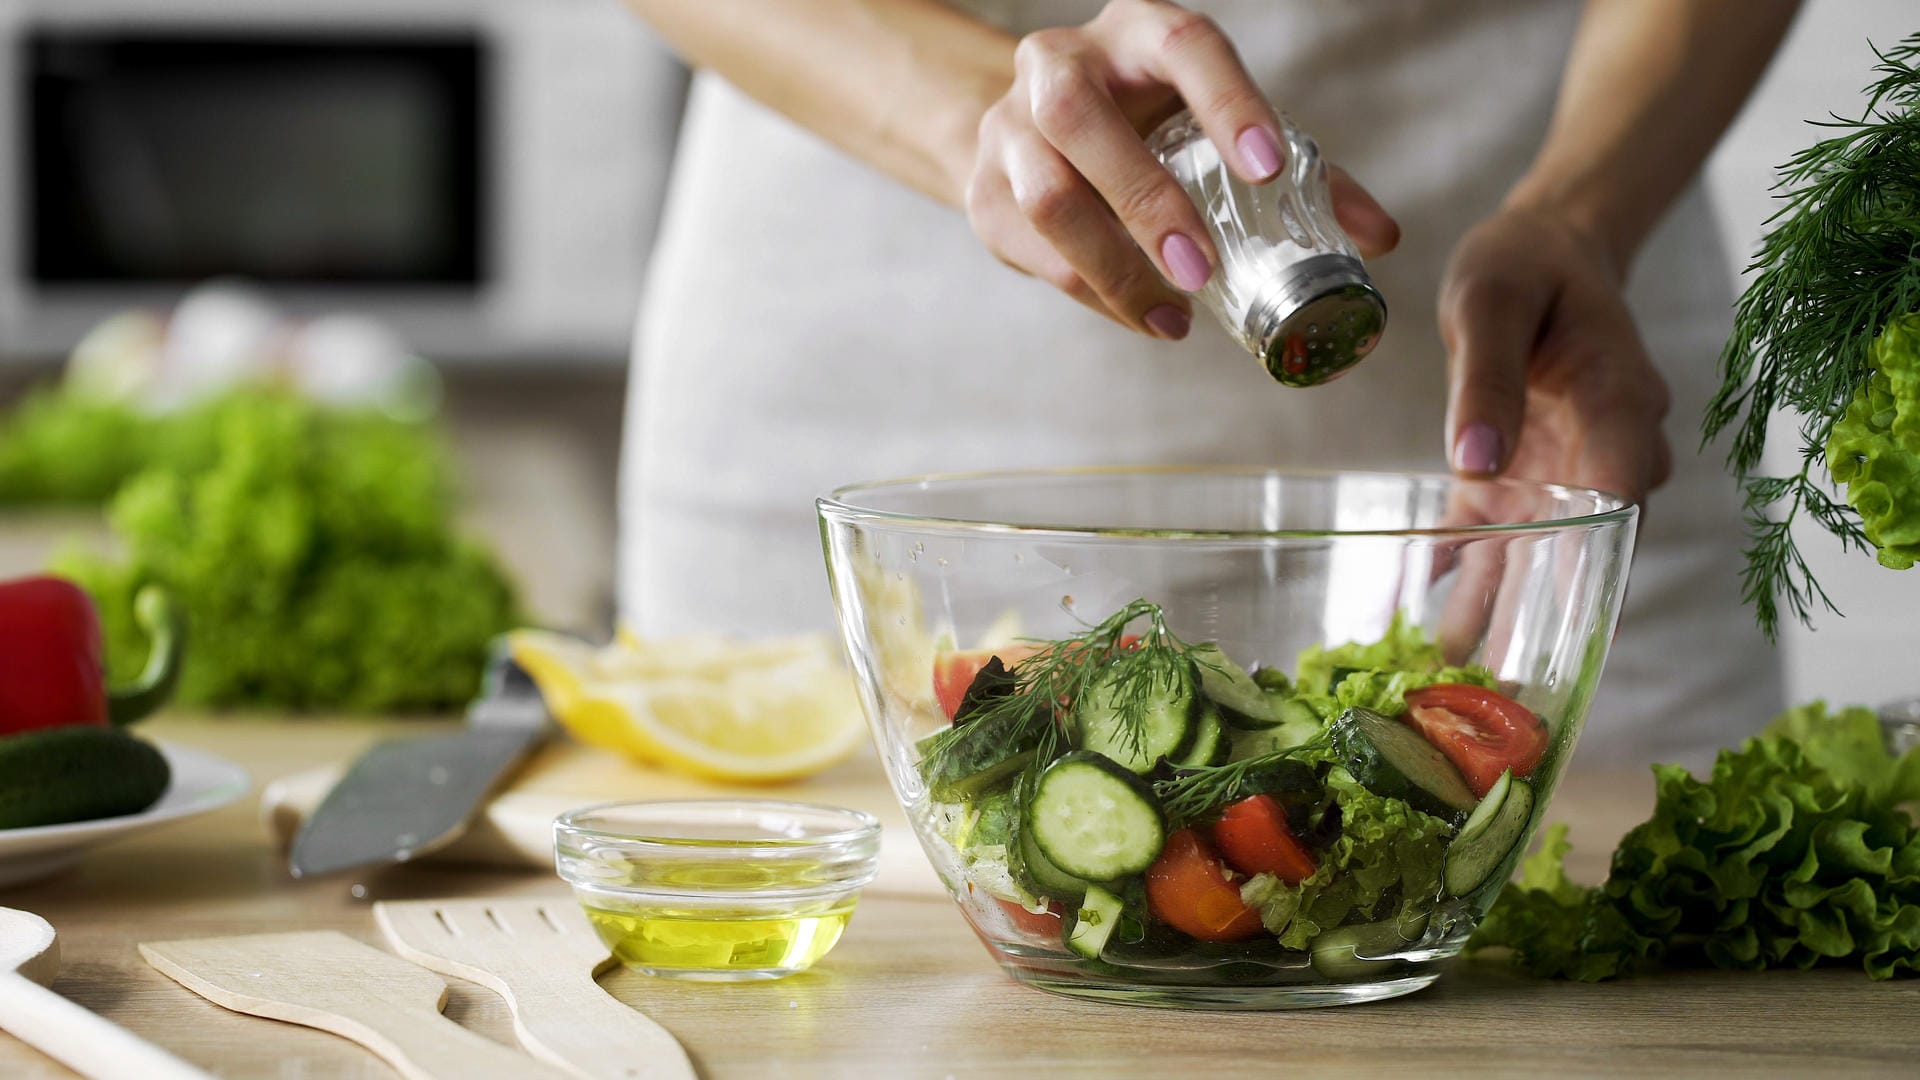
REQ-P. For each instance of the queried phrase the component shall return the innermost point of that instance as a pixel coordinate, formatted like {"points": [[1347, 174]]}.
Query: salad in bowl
{"points": [[1188, 789]]}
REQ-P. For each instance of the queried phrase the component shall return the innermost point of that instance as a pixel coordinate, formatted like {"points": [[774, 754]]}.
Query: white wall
{"points": [[1872, 654]]}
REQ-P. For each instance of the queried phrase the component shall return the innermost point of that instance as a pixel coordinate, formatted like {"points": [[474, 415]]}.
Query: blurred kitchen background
{"points": [[476, 182]]}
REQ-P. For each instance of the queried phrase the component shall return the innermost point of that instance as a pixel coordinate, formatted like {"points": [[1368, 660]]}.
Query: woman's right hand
{"points": [[1064, 188]]}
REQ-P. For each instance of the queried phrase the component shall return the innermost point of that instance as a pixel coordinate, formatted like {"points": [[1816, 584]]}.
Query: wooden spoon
{"points": [[327, 980], [541, 956], [87, 1043]]}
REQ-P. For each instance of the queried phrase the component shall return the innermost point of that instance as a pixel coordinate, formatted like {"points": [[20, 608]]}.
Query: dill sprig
{"points": [[1840, 259], [1192, 795], [1133, 674]]}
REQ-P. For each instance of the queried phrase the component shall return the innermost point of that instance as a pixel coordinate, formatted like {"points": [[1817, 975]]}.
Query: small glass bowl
{"points": [[717, 890]]}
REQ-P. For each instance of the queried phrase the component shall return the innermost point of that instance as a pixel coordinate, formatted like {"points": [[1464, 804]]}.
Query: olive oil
{"points": [[719, 944]]}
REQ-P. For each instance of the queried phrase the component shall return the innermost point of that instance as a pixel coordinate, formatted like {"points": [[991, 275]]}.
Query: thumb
{"points": [[1489, 329], [1373, 230]]}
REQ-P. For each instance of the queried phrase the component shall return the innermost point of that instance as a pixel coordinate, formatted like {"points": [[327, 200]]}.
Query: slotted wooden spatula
{"points": [[541, 956], [327, 980]]}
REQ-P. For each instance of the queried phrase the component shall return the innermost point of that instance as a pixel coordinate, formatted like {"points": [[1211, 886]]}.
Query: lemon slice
{"points": [[756, 712]]}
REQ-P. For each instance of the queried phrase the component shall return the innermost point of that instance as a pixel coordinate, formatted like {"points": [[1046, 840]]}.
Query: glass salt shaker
{"points": [[1290, 285]]}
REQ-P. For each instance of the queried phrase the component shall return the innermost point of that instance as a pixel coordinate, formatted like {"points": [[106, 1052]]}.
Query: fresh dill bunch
{"points": [[1135, 670], [1840, 260], [1193, 795]]}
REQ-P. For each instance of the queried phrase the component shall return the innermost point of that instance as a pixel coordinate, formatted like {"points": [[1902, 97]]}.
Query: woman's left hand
{"points": [[1548, 377]]}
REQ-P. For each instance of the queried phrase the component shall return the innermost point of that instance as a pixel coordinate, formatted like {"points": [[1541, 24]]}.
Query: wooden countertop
{"points": [[910, 992]]}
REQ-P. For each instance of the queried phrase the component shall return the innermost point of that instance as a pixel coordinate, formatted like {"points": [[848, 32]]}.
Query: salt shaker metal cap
{"points": [[1290, 285]]}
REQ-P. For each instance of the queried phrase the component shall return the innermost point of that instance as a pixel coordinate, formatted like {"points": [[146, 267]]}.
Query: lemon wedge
{"points": [[754, 712]]}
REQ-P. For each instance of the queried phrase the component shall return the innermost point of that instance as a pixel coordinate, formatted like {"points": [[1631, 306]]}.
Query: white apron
{"points": [[808, 323]]}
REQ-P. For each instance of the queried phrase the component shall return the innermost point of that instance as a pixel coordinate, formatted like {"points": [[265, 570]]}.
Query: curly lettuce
{"points": [[1793, 852], [1875, 446], [1385, 691], [1386, 864], [314, 552], [1851, 745], [1404, 647], [1378, 674], [983, 836], [1558, 929]]}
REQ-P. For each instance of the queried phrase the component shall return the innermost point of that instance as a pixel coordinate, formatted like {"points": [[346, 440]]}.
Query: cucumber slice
{"points": [[1243, 702], [1391, 759], [1095, 820], [1300, 725], [1359, 951], [1163, 728], [1271, 678], [1045, 878], [1490, 835], [1483, 814], [1210, 743], [1253, 744], [1099, 913]]}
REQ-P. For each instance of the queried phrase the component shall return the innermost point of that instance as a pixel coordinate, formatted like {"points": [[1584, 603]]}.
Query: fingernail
{"points": [[1169, 322], [1259, 152], [1185, 262], [1478, 449]]}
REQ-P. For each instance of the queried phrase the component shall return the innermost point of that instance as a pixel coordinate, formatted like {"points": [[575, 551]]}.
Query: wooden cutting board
{"points": [[515, 827]]}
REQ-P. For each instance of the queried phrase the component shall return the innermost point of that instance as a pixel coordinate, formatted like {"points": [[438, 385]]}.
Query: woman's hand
{"points": [[1549, 379], [1064, 188]]}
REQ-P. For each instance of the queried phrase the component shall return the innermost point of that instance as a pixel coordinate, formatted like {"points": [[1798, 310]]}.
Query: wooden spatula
{"points": [[89, 1044], [541, 956], [327, 980]]}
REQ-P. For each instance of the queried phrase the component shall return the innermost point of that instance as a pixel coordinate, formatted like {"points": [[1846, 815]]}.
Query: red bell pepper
{"points": [[51, 673]]}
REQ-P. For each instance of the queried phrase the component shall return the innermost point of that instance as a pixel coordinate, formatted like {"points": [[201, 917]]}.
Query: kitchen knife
{"points": [[407, 797]]}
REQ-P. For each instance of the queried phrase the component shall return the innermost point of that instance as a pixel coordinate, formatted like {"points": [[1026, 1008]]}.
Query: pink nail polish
{"points": [[1185, 262], [1478, 450], [1169, 322], [1259, 152]]}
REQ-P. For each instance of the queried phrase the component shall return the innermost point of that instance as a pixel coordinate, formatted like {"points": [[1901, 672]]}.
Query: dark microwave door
{"points": [[168, 157]]}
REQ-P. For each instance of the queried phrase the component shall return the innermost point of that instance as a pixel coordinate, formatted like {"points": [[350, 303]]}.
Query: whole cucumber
{"points": [[56, 775]]}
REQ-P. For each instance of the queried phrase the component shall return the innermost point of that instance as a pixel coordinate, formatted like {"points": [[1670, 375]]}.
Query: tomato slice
{"points": [[1483, 732], [1188, 889], [1254, 837], [953, 672], [1044, 924]]}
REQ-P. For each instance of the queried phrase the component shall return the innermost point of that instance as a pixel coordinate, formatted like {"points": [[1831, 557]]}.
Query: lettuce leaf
{"points": [[1385, 691], [1558, 929], [1793, 852], [1386, 863], [1851, 745], [1875, 446], [1377, 674], [314, 550], [1404, 647]]}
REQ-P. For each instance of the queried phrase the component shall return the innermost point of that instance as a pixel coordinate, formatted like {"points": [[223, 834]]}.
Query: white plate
{"points": [[201, 782]]}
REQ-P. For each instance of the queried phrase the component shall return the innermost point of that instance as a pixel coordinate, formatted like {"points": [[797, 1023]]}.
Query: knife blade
{"points": [[407, 797]]}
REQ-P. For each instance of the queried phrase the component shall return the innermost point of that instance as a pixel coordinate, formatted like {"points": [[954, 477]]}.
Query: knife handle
{"points": [[572, 1022]]}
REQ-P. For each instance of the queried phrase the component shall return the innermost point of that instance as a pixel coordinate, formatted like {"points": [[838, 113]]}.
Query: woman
{"points": [[825, 302]]}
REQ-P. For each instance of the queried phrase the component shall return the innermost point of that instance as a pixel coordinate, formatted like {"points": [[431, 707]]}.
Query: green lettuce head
{"points": [[1875, 446]]}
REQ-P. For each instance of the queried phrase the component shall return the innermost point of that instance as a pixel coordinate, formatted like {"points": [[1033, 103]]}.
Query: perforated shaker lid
{"points": [[1316, 321]]}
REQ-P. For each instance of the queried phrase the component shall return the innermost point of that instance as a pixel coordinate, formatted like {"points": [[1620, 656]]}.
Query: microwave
{"points": [[482, 175]]}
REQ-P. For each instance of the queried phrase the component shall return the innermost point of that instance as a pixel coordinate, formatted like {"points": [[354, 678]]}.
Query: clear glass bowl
{"points": [[717, 890], [1524, 580]]}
